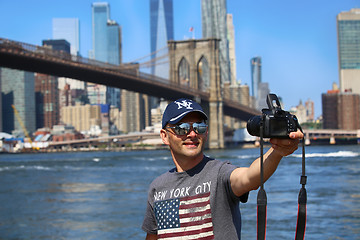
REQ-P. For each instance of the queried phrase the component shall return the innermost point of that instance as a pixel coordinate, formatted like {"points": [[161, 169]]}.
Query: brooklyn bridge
{"points": [[32, 58]]}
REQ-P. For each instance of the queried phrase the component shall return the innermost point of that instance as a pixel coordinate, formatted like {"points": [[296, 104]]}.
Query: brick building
{"points": [[341, 110], [47, 101]]}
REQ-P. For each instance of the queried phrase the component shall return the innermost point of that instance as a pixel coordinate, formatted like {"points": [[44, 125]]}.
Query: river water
{"points": [[102, 195]]}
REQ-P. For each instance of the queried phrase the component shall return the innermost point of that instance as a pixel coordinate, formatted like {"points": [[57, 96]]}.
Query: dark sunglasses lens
{"points": [[182, 129], [200, 128]]}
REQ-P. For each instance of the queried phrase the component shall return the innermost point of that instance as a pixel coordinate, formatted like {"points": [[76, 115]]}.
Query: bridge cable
{"points": [[149, 55]]}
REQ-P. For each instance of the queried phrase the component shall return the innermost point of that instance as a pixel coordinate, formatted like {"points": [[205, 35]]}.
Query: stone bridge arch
{"points": [[195, 63]]}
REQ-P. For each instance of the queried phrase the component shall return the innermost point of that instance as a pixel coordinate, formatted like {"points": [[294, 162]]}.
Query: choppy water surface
{"points": [[102, 195]]}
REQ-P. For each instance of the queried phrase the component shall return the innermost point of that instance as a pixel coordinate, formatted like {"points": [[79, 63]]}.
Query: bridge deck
{"points": [[33, 58]]}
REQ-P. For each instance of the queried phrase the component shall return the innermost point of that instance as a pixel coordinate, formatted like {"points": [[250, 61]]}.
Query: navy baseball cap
{"points": [[178, 109]]}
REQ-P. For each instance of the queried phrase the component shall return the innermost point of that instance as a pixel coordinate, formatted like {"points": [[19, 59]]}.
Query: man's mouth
{"points": [[191, 144]]}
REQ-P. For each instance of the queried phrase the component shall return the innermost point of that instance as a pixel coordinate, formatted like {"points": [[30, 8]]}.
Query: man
{"points": [[199, 198]]}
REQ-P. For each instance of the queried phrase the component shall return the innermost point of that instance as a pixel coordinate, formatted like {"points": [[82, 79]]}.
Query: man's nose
{"points": [[192, 132]]}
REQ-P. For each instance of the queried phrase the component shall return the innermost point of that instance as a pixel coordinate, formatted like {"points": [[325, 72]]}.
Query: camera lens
{"points": [[253, 126]]}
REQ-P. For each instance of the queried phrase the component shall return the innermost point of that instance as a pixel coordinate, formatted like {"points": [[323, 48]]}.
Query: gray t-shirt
{"points": [[195, 203]]}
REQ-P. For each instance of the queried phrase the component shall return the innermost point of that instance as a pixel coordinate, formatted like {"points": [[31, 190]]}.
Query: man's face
{"points": [[190, 145]]}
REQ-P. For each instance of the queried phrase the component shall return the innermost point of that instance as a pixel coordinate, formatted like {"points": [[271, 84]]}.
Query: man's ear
{"points": [[164, 136]]}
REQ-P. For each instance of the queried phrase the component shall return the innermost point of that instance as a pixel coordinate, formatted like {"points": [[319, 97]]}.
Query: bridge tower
{"points": [[195, 63]]}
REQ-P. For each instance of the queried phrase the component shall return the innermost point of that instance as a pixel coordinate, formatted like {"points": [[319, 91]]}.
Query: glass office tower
{"points": [[113, 43], [255, 64], [106, 35], [18, 89], [214, 26], [68, 29], [348, 29], [161, 30], [100, 17]]}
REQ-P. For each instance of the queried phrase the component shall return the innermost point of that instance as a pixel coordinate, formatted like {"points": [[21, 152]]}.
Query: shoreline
{"points": [[154, 147]]}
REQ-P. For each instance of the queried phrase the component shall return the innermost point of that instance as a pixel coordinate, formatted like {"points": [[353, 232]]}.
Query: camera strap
{"points": [[262, 199], [302, 200]]}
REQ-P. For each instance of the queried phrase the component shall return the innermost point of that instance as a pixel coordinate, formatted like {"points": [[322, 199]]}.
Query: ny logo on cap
{"points": [[184, 104]]}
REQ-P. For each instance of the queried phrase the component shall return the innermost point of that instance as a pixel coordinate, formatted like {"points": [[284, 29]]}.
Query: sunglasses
{"points": [[184, 128]]}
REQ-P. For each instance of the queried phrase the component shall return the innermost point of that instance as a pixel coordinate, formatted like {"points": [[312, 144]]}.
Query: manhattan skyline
{"points": [[297, 41]]}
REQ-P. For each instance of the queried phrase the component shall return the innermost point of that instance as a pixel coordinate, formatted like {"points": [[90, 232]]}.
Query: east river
{"points": [[102, 195]]}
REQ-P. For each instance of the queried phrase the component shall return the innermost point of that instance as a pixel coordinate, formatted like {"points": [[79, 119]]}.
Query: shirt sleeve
{"points": [[149, 224], [226, 171]]}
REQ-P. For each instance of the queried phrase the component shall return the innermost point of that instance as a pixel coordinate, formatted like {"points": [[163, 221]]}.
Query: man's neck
{"points": [[184, 163]]}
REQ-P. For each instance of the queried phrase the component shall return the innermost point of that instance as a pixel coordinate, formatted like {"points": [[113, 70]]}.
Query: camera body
{"points": [[277, 123]]}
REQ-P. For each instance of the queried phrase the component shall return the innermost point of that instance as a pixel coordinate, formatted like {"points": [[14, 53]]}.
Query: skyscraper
{"points": [[341, 110], [255, 64], [113, 57], [232, 56], [68, 29], [100, 17], [114, 43], [348, 30], [47, 101], [18, 89], [214, 26], [161, 31], [106, 35]]}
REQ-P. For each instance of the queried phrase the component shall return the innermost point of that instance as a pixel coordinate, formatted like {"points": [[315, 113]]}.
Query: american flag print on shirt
{"points": [[185, 218]]}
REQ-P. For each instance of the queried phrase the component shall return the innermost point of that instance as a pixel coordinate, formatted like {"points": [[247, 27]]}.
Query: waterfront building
{"points": [[300, 112], [348, 32], [213, 14], [133, 108], [341, 110], [49, 98], [233, 92], [17, 88], [156, 115], [62, 133], [47, 101], [310, 112], [82, 117], [115, 121]]}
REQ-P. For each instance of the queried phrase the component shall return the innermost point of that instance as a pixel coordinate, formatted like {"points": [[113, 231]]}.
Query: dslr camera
{"points": [[276, 122]]}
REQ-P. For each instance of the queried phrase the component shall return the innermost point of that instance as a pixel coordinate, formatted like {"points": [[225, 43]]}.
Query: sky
{"points": [[297, 40]]}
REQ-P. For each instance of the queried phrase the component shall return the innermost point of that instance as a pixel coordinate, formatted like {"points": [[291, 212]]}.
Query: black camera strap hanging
{"points": [[262, 198], [302, 198]]}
